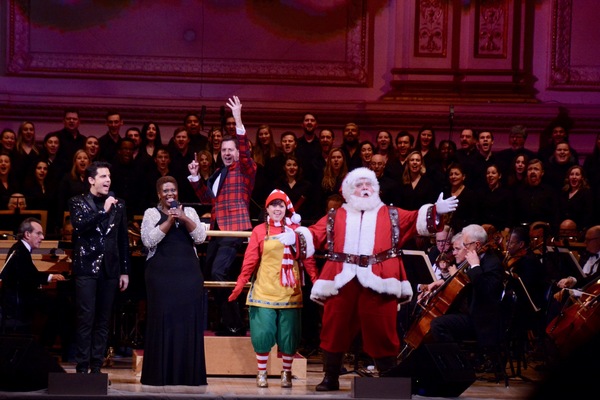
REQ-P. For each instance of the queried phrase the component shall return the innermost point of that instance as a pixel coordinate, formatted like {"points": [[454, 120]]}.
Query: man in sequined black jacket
{"points": [[100, 263]]}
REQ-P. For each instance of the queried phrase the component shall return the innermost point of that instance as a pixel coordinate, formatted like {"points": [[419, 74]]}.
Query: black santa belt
{"points": [[363, 260]]}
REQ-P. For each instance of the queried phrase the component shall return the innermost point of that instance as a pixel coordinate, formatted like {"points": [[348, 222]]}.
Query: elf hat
{"points": [[277, 194]]}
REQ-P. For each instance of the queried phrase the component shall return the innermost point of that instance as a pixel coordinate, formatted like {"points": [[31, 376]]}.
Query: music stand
{"points": [[560, 262], [418, 267]]}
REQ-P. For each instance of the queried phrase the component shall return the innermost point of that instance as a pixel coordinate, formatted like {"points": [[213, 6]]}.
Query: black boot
{"points": [[332, 364], [385, 364]]}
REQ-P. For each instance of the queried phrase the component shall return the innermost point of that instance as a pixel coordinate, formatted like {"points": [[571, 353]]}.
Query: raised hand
{"points": [[445, 206]]}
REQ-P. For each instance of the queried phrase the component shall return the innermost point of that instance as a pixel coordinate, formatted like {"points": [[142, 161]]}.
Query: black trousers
{"points": [[220, 257], [94, 297]]}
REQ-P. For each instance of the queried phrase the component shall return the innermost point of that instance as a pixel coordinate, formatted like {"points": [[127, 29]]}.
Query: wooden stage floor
{"points": [[125, 384]]}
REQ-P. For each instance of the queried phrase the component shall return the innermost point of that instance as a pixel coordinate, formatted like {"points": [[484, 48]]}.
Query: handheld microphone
{"points": [[451, 112], [111, 194], [174, 204]]}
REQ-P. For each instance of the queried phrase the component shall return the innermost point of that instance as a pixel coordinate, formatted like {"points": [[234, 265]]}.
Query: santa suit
{"points": [[364, 299]]}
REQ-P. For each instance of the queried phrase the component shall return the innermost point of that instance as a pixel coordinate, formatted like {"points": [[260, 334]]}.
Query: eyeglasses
{"points": [[465, 245], [442, 241]]}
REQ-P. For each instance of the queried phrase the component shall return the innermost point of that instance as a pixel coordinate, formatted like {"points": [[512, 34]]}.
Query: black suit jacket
{"points": [[487, 284], [101, 241], [20, 280]]}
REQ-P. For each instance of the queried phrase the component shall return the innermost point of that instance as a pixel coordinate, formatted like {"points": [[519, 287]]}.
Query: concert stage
{"points": [[125, 385]]}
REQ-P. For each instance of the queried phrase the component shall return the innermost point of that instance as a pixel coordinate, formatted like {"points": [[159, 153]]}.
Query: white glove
{"points": [[446, 206], [288, 238], [206, 226]]}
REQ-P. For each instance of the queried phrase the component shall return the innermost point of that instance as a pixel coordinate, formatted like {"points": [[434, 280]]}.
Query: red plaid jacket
{"points": [[230, 207]]}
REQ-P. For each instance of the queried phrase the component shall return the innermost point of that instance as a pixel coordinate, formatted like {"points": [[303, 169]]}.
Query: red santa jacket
{"points": [[366, 233]]}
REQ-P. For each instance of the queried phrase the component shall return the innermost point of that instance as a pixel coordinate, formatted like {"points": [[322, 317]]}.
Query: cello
{"points": [[439, 302], [578, 322]]}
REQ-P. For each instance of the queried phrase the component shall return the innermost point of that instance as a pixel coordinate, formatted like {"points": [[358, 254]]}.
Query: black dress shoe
{"points": [[328, 384]]}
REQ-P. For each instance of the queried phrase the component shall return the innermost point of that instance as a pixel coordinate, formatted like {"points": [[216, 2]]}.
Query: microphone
{"points": [[111, 194], [174, 204], [451, 112], [8, 235]]}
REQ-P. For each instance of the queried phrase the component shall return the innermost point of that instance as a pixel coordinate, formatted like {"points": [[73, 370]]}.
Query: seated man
{"points": [[481, 319], [21, 279]]}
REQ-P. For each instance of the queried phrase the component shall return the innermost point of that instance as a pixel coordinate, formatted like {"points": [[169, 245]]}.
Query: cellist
{"points": [[481, 319], [590, 261]]}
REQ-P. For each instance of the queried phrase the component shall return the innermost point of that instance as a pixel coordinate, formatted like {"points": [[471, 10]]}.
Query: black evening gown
{"points": [[174, 342]]}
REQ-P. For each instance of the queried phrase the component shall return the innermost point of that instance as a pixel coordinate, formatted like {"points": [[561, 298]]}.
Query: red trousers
{"points": [[356, 309]]}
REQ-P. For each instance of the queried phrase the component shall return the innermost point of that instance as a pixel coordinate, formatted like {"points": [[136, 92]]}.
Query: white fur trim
{"points": [[310, 245], [422, 220]]}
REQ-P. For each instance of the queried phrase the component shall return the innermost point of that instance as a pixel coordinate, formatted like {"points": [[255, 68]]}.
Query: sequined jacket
{"points": [[100, 238]]}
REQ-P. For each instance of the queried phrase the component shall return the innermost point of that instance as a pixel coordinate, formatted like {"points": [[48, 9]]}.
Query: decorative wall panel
{"points": [[431, 28], [195, 40], [575, 50], [491, 24]]}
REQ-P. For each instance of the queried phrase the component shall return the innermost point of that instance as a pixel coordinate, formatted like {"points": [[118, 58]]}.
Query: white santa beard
{"points": [[364, 203]]}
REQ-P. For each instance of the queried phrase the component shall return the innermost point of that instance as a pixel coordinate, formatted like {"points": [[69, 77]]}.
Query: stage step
{"points": [[234, 355]]}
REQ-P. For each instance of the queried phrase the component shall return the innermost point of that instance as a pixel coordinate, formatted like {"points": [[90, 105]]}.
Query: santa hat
{"points": [[353, 176], [291, 215]]}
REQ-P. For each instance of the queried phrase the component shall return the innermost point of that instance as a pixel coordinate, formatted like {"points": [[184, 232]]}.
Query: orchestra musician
{"points": [[481, 319], [21, 279], [525, 280], [590, 261]]}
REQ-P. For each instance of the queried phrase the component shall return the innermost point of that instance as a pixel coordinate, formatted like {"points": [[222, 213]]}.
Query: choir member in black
{"points": [[389, 189], [396, 162], [467, 211], [472, 161], [517, 172], [558, 165], [351, 145], [367, 149], [426, 145], [299, 190], [497, 204], [8, 183], [537, 201], [516, 141], [74, 183], [416, 188], [576, 200]]}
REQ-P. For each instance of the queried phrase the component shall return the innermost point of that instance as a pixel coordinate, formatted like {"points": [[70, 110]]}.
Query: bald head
{"points": [[377, 164]]}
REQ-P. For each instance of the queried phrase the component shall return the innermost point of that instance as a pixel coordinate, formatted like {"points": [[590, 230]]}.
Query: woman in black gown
{"points": [[174, 341]]}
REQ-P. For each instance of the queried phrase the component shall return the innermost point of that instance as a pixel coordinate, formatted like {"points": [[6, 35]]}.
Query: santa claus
{"points": [[363, 279]]}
